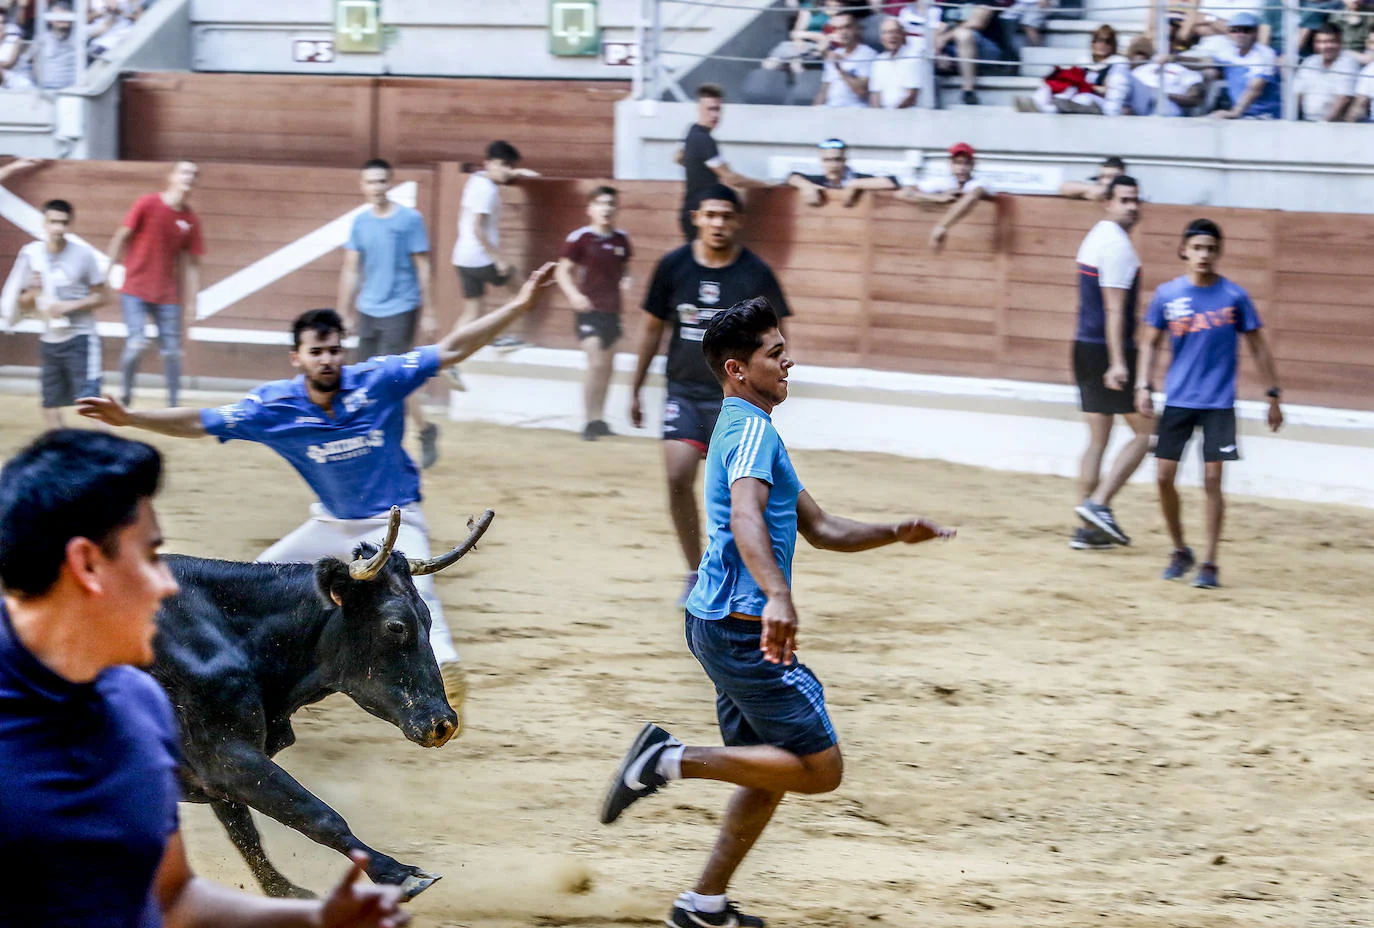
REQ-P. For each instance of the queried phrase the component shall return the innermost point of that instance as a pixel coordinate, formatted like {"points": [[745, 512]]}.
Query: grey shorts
{"points": [[383, 335], [69, 369]]}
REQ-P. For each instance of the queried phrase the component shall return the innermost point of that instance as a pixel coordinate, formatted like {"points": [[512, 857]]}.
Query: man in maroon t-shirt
{"points": [[591, 272], [161, 274]]}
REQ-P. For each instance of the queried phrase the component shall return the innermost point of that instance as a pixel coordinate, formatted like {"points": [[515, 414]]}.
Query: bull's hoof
{"points": [[418, 882]]}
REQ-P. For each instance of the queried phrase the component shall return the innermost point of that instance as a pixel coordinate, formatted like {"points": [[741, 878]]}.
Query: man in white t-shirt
{"points": [[1326, 80], [895, 77], [959, 188], [477, 254], [847, 66], [1182, 88], [1358, 111], [1104, 356]]}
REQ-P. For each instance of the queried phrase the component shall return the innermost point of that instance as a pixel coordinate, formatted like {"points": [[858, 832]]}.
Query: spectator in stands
{"points": [[1183, 86], [808, 39], [847, 65], [977, 38], [1100, 87], [1357, 25], [700, 157], [1213, 18], [896, 75], [837, 175], [54, 51], [1250, 71], [1359, 109], [15, 61], [110, 23], [1031, 16], [959, 188], [921, 25], [1094, 188], [1326, 79]]}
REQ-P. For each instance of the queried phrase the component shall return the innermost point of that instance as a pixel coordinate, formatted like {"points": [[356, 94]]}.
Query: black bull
{"points": [[243, 646]]}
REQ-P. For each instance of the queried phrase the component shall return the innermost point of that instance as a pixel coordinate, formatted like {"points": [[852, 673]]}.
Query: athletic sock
{"points": [[669, 767], [708, 904]]}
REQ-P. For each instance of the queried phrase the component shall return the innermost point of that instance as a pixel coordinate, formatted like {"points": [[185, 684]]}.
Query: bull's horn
{"points": [[435, 564], [360, 569]]}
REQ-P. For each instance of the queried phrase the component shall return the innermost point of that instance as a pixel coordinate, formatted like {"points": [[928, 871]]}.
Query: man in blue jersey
{"points": [[88, 744], [341, 427], [741, 623], [1104, 359], [1203, 314]]}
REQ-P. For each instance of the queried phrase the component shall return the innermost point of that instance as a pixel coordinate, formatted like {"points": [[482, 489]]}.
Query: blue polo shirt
{"points": [[1204, 325], [88, 793], [386, 248], [353, 460], [744, 444]]}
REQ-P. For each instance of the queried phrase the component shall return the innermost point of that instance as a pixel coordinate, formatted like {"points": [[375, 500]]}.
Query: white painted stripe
{"points": [[196, 333]]}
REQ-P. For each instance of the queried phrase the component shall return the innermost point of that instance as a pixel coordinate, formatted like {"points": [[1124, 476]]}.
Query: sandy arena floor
{"points": [[1033, 736]]}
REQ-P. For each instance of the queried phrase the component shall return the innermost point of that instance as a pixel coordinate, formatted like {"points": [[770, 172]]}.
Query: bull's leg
{"points": [[238, 821]]}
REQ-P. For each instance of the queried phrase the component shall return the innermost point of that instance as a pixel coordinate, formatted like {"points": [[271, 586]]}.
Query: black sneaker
{"points": [[684, 916], [600, 428], [429, 445], [1180, 562], [1206, 578], [1091, 538], [589, 433], [969, 98], [1100, 516], [637, 775]]}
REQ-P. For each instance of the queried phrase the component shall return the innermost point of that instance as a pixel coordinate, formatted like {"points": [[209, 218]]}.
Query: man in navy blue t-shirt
{"points": [[88, 743], [1203, 314]]}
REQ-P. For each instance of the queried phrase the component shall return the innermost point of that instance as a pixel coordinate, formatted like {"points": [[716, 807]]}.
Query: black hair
{"points": [[503, 151], [605, 190], [320, 321], [716, 192], [60, 206], [737, 333], [1120, 180], [1202, 227], [374, 163], [1329, 28], [1114, 162], [68, 483]]}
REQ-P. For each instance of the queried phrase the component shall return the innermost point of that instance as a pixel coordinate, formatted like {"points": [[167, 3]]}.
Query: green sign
{"points": [[357, 26], [573, 29]]}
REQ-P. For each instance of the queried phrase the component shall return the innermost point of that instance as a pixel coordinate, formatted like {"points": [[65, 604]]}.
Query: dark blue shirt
{"points": [[1204, 325], [88, 793]]}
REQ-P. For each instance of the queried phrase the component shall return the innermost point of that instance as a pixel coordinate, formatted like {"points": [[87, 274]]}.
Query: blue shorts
{"points": [[758, 702]]}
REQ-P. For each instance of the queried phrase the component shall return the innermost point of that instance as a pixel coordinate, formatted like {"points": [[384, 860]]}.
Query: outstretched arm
{"points": [[961, 208], [836, 533], [178, 422], [748, 499], [466, 339]]}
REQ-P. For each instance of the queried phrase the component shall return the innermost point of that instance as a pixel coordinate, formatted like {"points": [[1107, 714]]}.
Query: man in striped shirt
{"points": [[741, 624]]}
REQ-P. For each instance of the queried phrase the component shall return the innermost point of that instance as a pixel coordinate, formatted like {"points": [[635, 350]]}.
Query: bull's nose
{"points": [[443, 731]]}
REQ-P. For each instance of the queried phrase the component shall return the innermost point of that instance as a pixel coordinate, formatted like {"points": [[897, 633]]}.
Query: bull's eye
{"points": [[395, 627]]}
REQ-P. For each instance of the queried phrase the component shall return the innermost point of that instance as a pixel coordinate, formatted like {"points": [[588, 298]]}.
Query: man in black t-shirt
{"points": [[690, 285], [838, 175], [700, 157]]}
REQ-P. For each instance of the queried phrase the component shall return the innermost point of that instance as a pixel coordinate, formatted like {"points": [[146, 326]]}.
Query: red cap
{"points": [[961, 148]]}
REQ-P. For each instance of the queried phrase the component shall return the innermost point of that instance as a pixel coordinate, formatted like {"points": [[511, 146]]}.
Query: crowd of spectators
{"points": [[44, 54]]}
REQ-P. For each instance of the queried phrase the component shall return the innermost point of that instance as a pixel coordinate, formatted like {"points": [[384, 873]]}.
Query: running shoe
{"points": [[455, 379], [600, 427], [589, 433], [1101, 516], [429, 445], [1206, 578], [638, 774], [1091, 538], [968, 98], [508, 342], [456, 689], [1180, 562], [684, 916], [689, 583]]}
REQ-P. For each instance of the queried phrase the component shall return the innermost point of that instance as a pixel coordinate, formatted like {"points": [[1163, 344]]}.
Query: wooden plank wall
{"points": [[866, 289], [562, 128]]}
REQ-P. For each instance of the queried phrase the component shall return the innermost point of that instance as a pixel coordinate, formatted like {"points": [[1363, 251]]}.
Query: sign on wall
{"points": [[312, 51], [573, 28], [357, 26]]}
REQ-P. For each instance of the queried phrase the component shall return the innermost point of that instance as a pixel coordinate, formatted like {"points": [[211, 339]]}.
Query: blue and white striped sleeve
{"points": [[756, 452]]}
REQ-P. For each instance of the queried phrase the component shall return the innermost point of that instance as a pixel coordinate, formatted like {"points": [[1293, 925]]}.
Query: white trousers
{"points": [[323, 535]]}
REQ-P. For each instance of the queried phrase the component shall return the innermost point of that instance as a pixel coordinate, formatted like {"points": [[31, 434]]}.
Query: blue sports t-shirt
{"points": [[88, 793], [353, 460], [385, 248], [1203, 324], [744, 444]]}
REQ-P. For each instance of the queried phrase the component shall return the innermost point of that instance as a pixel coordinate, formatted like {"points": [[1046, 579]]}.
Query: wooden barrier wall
{"points": [[562, 128], [864, 286]]}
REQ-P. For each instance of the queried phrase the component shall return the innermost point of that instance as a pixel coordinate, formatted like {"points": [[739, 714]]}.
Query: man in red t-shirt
{"points": [[161, 274], [591, 272]]}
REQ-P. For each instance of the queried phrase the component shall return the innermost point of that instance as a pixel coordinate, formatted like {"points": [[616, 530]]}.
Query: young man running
{"points": [[1104, 362], [741, 622], [591, 273], [341, 427], [690, 285], [1203, 315]]}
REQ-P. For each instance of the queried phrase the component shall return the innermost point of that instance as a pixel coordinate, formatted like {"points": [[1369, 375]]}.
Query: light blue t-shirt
{"points": [[1204, 325], [385, 246], [353, 460], [744, 444]]}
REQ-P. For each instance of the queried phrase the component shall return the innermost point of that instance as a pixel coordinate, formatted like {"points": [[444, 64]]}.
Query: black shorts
{"points": [[379, 336], [605, 326], [1176, 425], [690, 420], [68, 370], [475, 279], [1090, 362]]}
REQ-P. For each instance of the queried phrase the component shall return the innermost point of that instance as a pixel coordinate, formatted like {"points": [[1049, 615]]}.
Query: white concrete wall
{"points": [[1268, 165]]}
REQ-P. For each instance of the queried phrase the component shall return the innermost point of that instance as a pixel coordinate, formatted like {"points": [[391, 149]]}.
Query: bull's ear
{"points": [[331, 579]]}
